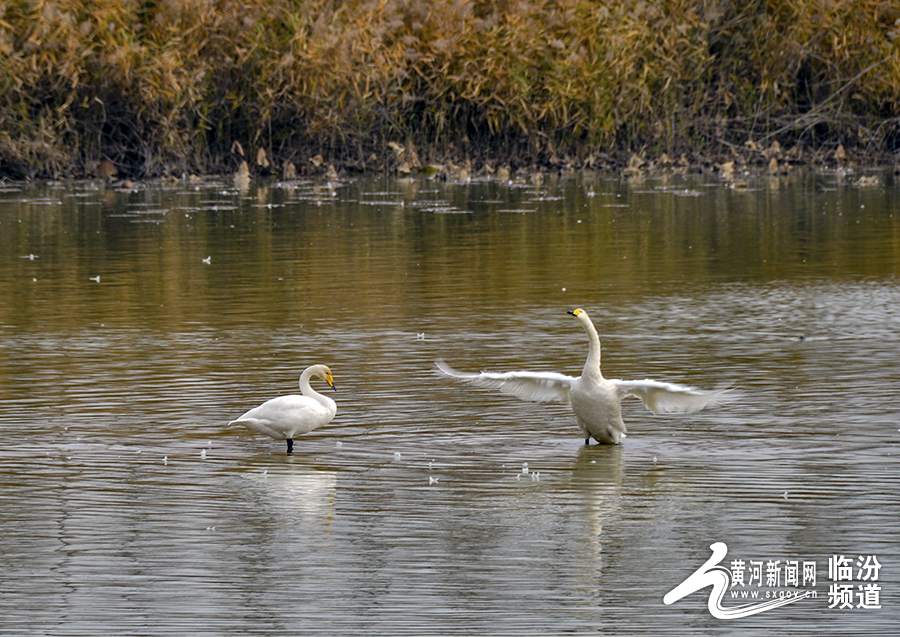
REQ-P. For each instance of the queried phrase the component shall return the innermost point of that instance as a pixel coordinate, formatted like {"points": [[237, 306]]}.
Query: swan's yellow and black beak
{"points": [[330, 381], [575, 312]]}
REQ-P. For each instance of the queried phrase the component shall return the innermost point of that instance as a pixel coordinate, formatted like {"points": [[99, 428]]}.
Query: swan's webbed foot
{"points": [[290, 444]]}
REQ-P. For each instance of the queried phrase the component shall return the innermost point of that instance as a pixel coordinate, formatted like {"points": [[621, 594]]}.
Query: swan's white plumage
{"points": [[285, 417], [595, 400]]}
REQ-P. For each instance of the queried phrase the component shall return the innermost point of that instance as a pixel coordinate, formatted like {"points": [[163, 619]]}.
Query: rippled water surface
{"points": [[135, 325]]}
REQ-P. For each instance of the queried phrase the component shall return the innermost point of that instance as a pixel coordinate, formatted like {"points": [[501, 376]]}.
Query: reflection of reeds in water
{"points": [[170, 86]]}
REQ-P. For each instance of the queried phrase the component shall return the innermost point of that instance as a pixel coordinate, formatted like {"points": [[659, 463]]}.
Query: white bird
{"points": [[596, 401], [284, 417]]}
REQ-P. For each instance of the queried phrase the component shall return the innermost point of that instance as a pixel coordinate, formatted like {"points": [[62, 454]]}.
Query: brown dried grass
{"points": [[169, 85]]}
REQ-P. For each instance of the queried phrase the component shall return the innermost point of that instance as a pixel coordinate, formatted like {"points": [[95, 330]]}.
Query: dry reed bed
{"points": [[169, 85]]}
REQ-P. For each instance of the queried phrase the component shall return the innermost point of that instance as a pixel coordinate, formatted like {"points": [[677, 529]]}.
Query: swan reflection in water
{"points": [[596, 481], [296, 489]]}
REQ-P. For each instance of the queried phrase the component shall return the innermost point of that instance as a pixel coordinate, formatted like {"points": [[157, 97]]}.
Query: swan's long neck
{"points": [[308, 391], [592, 364]]}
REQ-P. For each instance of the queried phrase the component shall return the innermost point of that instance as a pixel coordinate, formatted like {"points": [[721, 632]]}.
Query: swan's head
{"points": [[328, 378], [322, 372], [583, 318]]}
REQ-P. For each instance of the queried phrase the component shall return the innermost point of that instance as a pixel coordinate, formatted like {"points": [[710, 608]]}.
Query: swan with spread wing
{"points": [[596, 401]]}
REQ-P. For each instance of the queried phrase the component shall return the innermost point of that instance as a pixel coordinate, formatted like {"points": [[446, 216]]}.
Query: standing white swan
{"points": [[596, 401], [284, 417]]}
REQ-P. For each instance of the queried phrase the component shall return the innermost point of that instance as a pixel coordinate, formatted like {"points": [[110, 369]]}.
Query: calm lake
{"points": [[135, 325]]}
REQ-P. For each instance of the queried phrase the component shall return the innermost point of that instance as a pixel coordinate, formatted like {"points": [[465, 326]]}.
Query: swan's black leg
{"points": [[290, 446], [587, 440]]}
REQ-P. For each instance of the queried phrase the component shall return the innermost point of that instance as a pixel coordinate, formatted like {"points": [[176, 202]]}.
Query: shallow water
{"points": [[129, 506]]}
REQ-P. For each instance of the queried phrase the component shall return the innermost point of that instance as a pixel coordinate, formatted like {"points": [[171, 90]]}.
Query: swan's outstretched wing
{"points": [[661, 397], [539, 387]]}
